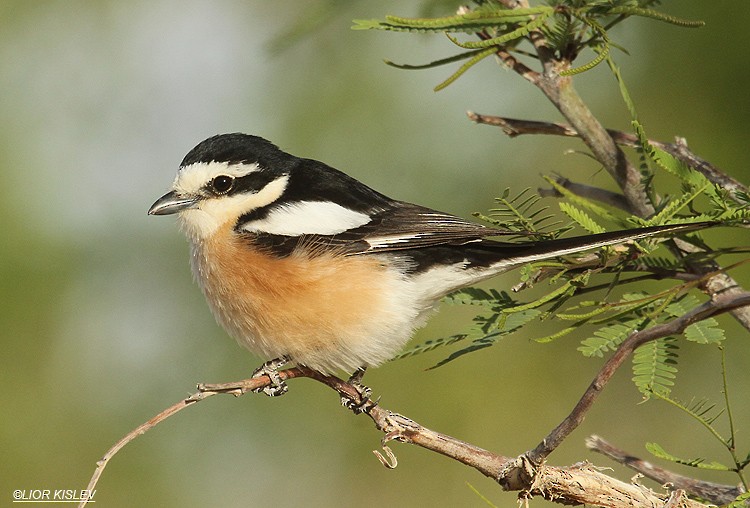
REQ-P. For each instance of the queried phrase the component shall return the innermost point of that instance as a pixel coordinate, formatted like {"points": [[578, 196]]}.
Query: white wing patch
{"points": [[383, 242], [308, 218], [191, 179]]}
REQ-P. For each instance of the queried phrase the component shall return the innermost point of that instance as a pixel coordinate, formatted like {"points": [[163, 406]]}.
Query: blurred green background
{"points": [[102, 326]]}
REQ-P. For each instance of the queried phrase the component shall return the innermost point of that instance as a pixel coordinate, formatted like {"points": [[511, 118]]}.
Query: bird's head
{"points": [[222, 179], [251, 184]]}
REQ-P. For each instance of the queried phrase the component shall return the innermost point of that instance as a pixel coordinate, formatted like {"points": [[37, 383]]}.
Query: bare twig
{"points": [[203, 393], [512, 62], [604, 196], [718, 284], [715, 492], [718, 305], [518, 67], [676, 499], [396, 427], [577, 484], [514, 127], [584, 484], [561, 92]]}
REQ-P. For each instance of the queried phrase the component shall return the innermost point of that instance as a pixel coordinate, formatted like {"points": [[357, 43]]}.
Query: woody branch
{"points": [[578, 484]]}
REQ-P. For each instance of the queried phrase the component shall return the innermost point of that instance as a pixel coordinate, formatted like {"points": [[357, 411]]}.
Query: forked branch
{"points": [[718, 305], [578, 484], [716, 492], [513, 127]]}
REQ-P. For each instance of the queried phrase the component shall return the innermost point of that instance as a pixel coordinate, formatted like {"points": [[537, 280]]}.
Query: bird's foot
{"points": [[271, 369], [365, 402]]}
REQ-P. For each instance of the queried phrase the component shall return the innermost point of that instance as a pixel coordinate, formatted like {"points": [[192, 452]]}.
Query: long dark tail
{"points": [[519, 254]]}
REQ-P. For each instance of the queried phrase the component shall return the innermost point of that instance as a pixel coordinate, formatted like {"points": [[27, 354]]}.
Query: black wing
{"points": [[412, 227], [398, 228], [423, 237]]}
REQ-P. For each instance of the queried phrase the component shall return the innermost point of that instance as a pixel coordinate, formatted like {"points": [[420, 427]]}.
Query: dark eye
{"points": [[222, 184]]}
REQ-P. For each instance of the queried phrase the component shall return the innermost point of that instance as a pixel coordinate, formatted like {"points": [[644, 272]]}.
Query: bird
{"points": [[302, 263]]}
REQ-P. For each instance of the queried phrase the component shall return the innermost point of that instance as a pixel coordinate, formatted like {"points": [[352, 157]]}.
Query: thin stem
{"points": [[714, 492], [732, 444], [613, 199], [721, 282], [514, 127], [720, 304], [702, 421], [577, 484]]}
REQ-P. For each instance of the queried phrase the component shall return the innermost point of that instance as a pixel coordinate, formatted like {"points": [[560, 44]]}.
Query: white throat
{"points": [[203, 221]]}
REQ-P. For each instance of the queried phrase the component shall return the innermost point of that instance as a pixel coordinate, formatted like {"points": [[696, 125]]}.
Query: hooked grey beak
{"points": [[171, 203]]}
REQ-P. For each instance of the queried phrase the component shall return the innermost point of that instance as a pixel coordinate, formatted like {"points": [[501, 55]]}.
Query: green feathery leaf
{"points": [[657, 451], [653, 367], [465, 67], [505, 327], [706, 331], [477, 296], [520, 213], [676, 167], [740, 501], [566, 289], [701, 411], [483, 18], [429, 345], [495, 42], [586, 204], [602, 53], [436, 63], [609, 337], [581, 218], [676, 205], [471, 21], [660, 16]]}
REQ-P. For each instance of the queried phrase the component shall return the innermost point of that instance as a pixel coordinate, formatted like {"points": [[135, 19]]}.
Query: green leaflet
{"points": [[676, 205], [472, 21], [505, 327], [581, 218], [586, 204], [740, 501], [654, 368], [705, 332], [436, 63], [496, 42], [465, 67], [521, 213], [563, 24], [607, 338], [602, 53], [477, 296], [657, 451], [678, 168], [430, 345], [659, 16], [486, 330]]}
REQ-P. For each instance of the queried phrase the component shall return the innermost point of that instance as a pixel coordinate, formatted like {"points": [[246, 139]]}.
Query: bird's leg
{"points": [[355, 381], [271, 369]]}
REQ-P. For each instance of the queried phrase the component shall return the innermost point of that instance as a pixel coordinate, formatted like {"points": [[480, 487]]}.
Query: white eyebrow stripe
{"points": [[211, 213], [308, 218], [192, 178]]}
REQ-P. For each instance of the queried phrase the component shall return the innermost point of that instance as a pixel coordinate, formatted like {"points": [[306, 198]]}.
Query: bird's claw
{"points": [[365, 402], [271, 369]]}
